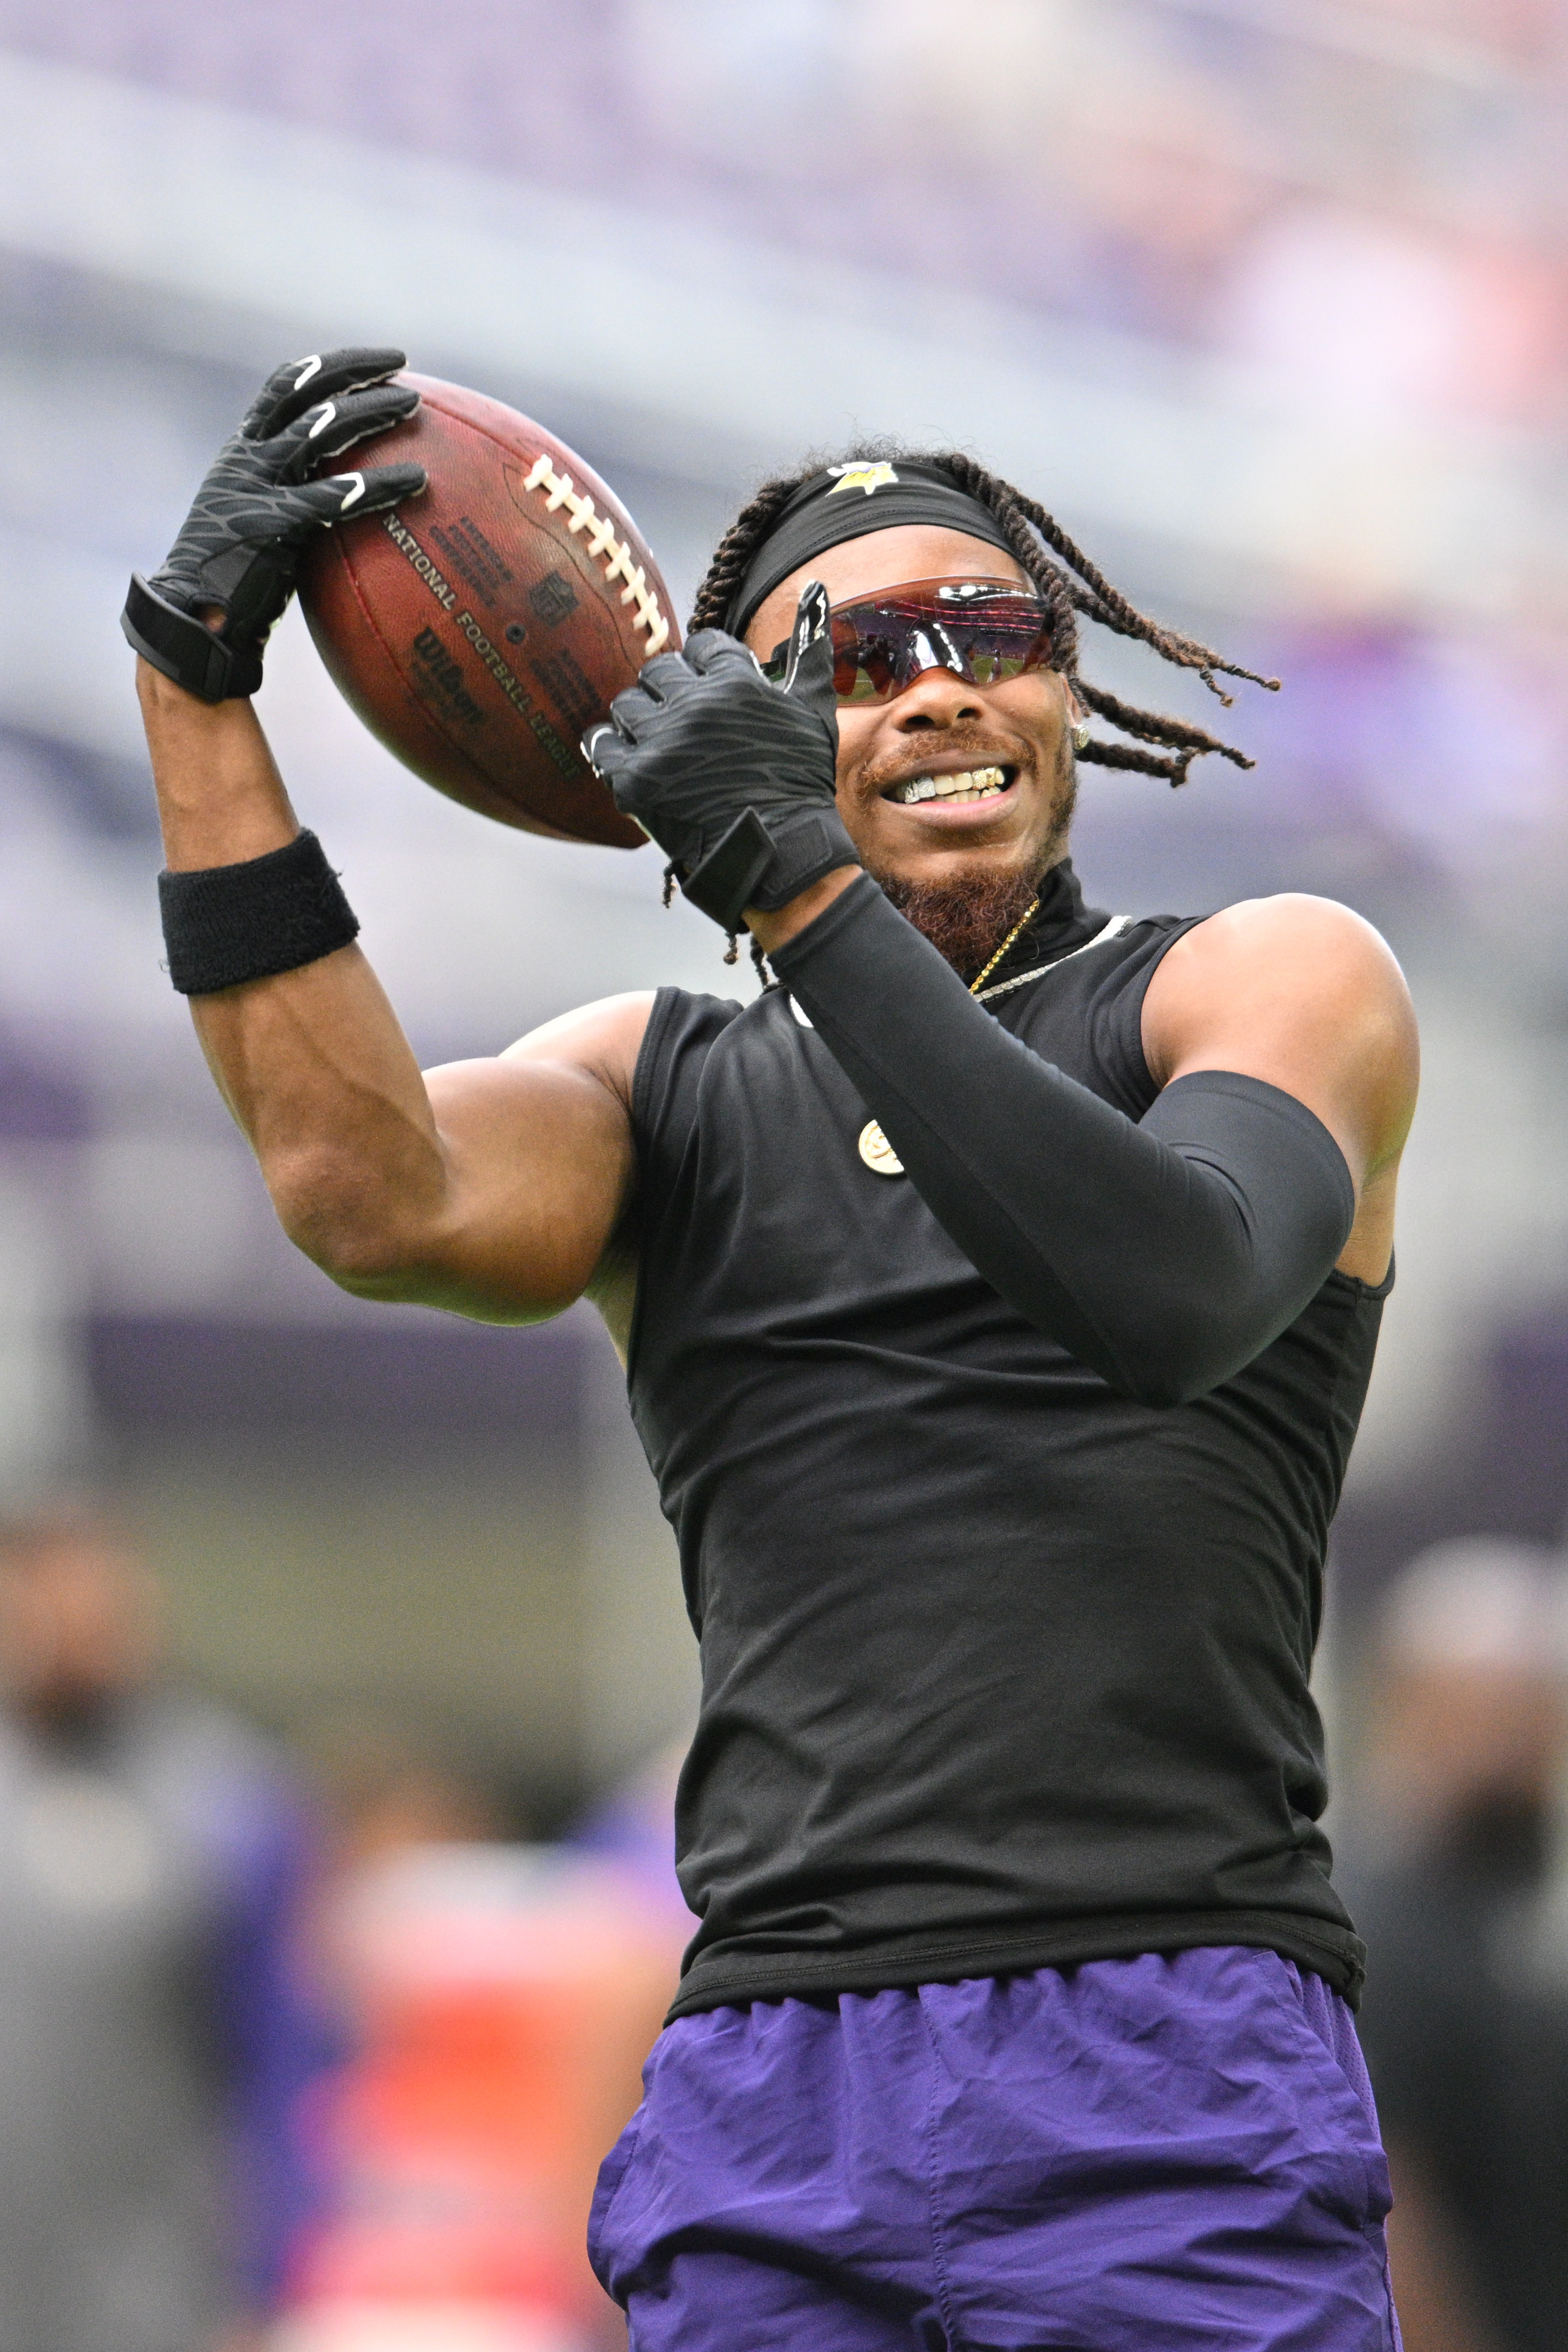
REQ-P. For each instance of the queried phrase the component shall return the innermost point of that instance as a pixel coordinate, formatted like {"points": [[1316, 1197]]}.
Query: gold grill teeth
{"points": [[981, 780]]}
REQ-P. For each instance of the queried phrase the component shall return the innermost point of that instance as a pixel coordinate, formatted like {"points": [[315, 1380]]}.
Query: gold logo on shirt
{"points": [[877, 1152], [868, 475]]}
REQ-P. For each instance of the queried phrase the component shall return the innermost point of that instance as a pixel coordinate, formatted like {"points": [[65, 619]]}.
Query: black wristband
{"points": [[224, 924], [766, 865], [185, 649]]}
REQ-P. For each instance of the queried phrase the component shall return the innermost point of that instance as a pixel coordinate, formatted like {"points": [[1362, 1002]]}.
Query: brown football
{"points": [[478, 628]]}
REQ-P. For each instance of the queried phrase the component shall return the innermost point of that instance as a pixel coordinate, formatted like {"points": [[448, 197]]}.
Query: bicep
{"points": [[1303, 996], [539, 1166]]}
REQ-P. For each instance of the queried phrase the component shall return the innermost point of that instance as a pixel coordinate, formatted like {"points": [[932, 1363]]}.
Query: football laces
{"points": [[603, 545]]}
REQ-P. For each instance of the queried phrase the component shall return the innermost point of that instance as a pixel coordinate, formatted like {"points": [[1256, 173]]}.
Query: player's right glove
{"points": [[257, 509]]}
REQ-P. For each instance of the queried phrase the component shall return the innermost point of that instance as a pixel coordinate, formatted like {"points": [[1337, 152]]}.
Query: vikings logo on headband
{"points": [[823, 513], [867, 474]]}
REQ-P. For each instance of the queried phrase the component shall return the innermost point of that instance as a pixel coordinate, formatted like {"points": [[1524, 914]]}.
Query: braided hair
{"points": [[1070, 584]]}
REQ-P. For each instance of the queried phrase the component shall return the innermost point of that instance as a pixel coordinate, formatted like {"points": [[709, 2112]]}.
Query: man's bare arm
{"points": [[496, 1187], [1302, 993]]}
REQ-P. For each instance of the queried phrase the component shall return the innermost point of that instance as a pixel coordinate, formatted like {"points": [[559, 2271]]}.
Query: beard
{"points": [[967, 922]]}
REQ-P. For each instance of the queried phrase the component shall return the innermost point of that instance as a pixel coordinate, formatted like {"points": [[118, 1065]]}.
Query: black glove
{"points": [[256, 510], [731, 775]]}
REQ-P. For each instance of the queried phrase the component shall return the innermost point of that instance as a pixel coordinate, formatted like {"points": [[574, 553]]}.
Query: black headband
{"points": [[846, 502]]}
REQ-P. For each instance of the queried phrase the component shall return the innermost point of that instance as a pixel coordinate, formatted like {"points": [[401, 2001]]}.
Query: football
{"points": [[479, 628]]}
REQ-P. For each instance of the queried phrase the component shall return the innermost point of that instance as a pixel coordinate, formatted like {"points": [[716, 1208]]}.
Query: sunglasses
{"points": [[984, 631]]}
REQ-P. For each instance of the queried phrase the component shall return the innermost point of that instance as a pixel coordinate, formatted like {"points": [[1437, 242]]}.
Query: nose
{"points": [[936, 698]]}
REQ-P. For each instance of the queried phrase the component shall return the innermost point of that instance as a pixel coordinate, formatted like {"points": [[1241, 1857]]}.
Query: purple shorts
{"points": [[1177, 2150]]}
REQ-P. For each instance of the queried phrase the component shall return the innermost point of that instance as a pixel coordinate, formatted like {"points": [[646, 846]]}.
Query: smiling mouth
{"points": [[970, 784]]}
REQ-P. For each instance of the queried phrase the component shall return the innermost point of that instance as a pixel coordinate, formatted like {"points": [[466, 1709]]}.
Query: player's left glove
{"points": [[732, 775], [259, 508]]}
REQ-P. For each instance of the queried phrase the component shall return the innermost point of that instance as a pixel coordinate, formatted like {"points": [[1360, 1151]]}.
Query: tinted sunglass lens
{"points": [[1005, 651], [1003, 666], [853, 682], [881, 647], [862, 667]]}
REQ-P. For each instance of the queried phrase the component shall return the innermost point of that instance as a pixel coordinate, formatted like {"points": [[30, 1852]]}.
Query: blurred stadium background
{"points": [[1264, 298]]}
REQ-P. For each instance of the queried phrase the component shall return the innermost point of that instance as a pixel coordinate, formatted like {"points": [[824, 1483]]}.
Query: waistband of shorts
{"points": [[724, 1980]]}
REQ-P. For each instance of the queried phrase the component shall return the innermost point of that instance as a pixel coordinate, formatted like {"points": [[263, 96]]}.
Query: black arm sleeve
{"points": [[1166, 1252]]}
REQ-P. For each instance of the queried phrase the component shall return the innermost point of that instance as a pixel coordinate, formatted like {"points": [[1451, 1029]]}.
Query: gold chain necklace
{"points": [[1024, 920], [874, 1148]]}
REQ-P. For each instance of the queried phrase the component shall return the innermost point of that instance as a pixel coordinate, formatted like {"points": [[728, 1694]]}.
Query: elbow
{"points": [[1195, 1346], [1156, 1345], [1165, 1385], [1164, 1345], [357, 1237], [366, 1262], [363, 1267], [1171, 1367]]}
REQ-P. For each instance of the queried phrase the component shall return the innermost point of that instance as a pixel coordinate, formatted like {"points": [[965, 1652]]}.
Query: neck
{"points": [[967, 922]]}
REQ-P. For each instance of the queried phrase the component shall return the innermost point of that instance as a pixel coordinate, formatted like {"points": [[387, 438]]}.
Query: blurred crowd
{"points": [[1455, 1860], [297, 2047], [301, 2048]]}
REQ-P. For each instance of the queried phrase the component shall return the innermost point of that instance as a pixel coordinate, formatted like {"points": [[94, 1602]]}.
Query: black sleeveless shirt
{"points": [[1000, 1670]]}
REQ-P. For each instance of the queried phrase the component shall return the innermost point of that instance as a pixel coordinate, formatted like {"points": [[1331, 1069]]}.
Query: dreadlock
{"points": [[1069, 586], [760, 963]]}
